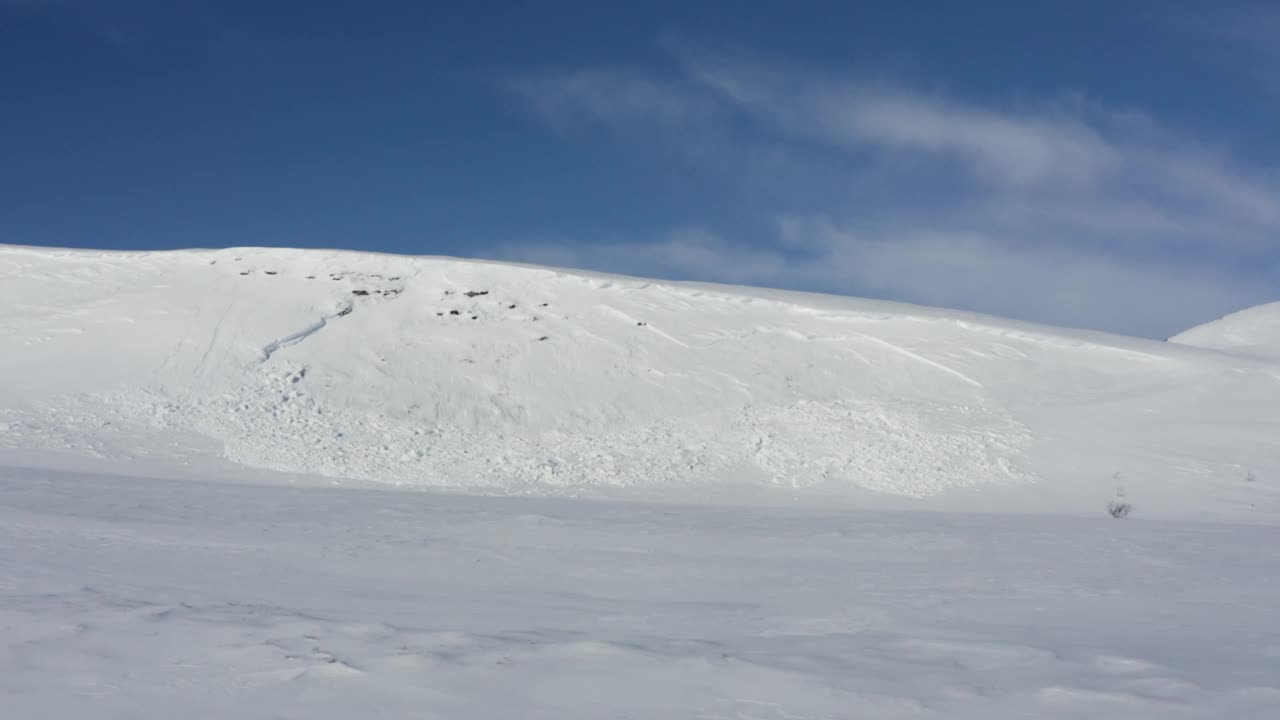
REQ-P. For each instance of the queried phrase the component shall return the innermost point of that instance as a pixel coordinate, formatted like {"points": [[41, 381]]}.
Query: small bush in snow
{"points": [[1119, 509]]}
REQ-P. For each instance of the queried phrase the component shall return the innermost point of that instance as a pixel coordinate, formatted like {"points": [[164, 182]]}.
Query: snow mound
{"points": [[508, 378], [1253, 331]]}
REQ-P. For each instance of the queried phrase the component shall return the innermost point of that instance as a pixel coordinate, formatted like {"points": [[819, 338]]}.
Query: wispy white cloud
{"points": [[1015, 148], [986, 270], [1018, 151], [1056, 209]]}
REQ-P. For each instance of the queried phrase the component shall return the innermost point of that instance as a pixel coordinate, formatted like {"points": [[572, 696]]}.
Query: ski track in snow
{"points": [[921, 359]]}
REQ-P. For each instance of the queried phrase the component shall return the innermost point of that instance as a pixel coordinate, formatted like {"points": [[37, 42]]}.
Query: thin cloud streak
{"points": [[1061, 210]]}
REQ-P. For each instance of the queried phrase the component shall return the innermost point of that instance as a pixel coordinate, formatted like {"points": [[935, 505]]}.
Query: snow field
{"points": [[122, 597]]}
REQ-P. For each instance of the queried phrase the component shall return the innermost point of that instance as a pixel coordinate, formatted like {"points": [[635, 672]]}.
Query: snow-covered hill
{"points": [[498, 377], [1253, 331], [135, 583]]}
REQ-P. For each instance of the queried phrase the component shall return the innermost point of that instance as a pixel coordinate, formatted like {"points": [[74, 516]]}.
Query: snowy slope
{"points": [[1253, 331], [137, 582], [504, 378]]}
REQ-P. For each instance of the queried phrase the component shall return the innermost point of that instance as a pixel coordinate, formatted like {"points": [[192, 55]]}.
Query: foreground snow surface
{"points": [[149, 598]]}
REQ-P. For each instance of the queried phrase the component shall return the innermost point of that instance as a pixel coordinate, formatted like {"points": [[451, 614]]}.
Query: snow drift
{"points": [[499, 377]]}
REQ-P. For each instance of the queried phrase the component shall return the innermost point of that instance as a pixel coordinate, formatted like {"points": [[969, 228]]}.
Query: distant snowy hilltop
{"points": [[1254, 331], [507, 378]]}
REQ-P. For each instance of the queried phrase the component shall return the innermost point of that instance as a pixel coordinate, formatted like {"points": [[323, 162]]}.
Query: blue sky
{"points": [[1108, 165]]}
